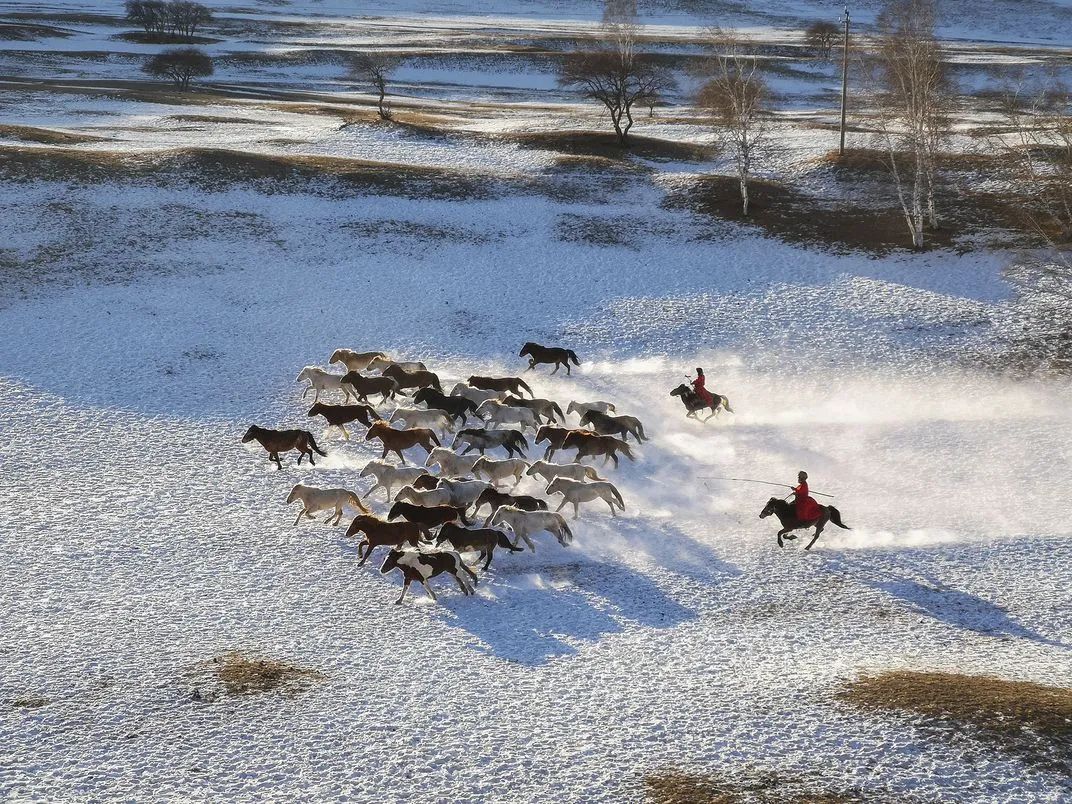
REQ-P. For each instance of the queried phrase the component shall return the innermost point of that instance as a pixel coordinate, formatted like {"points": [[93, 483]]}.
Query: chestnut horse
{"points": [[787, 515], [276, 441], [379, 533], [548, 354], [590, 445], [397, 440]]}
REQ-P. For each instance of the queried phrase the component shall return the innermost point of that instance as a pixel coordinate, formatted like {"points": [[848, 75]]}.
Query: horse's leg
{"points": [[405, 586], [300, 513], [428, 589], [462, 586], [338, 515], [561, 505], [614, 455], [568, 372], [311, 461], [345, 434], [576, 510], [274, 456], [780, 542], [401, 457], [612, 511], [556, 368]]}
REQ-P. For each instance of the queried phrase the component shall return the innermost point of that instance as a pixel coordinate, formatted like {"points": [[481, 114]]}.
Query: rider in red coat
{"points": [[701, 391], [806, 508]]}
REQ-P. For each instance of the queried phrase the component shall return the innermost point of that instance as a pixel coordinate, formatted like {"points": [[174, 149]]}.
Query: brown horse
{"points": [[397, 440], [427, 516], [276, 441], [413, 379], [787, 516], [363, 385], [341, 415], [511, 384], [605, 424], [548, 354], [555, 437], [590, 445], [379, 533]]}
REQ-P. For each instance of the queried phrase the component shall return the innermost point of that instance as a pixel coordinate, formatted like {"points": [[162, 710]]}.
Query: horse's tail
{"points": [[591, 474], [618, 496], [640, 430], [628, 452], [726, 404], [312, 443], [525, 385], [556, 409], [572, 355], [835, 517], [355, 501]]}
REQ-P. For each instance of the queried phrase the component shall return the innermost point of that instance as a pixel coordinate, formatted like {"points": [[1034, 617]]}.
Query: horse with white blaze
{"points": [[422, 565]]}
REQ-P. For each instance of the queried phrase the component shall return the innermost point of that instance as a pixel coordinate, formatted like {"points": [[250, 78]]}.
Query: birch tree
{"points": [[735, 94]]}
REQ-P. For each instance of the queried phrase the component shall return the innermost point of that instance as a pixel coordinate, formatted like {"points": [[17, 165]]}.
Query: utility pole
{"points": [[844, 82]]}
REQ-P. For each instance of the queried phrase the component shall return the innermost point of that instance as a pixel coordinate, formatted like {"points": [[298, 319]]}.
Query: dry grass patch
{"points": [[602, 144], [676, 786], [45, 136], [1032, 720], [241, 674], [28, 702]]}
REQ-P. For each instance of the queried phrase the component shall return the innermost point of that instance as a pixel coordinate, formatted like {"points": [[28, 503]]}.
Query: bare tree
{"points": [[374, 70], [821, 36], [187, 17], [914, 107], [735, 94], [151, 15], [181, 65], [614, 74]]}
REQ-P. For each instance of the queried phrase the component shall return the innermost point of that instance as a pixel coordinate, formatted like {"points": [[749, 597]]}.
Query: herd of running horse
{"points": [[430, 523]]}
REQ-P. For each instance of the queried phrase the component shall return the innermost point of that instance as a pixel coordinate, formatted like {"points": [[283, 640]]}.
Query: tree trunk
{"points": [[744, 192]]}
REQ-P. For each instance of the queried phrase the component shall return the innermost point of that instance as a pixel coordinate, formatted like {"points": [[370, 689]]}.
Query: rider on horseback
{"points": [[701, 391], [806, 508]]}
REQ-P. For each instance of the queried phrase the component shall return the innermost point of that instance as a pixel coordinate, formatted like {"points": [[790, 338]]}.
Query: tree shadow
{"points": [[930, 597]]}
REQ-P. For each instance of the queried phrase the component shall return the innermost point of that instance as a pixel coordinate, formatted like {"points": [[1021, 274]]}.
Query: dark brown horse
{"points": [[483, 539], [458, 407], [379, 533], [548, 354], [511, 384], [364, 385], [590, 445], [276, 441], [605, 424], [786, 513], [341, 415], [555, 437], [413, 379], [427, 516], [694, 404], [397, 440]]}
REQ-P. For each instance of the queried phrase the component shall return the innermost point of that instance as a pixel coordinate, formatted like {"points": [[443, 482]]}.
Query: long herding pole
{"points": [[844, 82], [764, 482]]}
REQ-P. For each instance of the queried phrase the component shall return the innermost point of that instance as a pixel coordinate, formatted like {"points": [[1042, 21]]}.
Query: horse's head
{"points": [[336, 356], [391, 561], [378, 363], [543, 433], [681, 390], [251, 433], [769, 508], [315, 409], [586, 417], [526, 349], [555, 486], [396, 509], [294, 493], [376, 428]]}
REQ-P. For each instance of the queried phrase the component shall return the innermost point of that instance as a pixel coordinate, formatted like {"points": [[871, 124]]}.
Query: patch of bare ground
{"points": [[240, 674], [28, 702], [46, 136], [214, 169], [970, 219], [614, 230], [600, 144], [676, 786], [210, 118], [1031, 721], [28, 32], [143, 38]]}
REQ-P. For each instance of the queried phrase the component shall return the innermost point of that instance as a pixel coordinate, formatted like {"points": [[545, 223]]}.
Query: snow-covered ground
{"points": [[148, 321]]}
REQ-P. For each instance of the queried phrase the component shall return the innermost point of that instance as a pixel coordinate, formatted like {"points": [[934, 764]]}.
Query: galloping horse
{"points": [[786, 513], [276, 441], [548, 354], [694, 404]]}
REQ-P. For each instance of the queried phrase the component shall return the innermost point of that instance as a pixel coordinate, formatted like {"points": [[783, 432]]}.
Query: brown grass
{"points": [[45, 136], [28, 702], [603, 144], [1029, 719], [676, 786], [247, 675]]}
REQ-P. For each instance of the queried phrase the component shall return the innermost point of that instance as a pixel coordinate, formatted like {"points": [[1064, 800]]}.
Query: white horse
{"points": [[526, 523], [577, 492], [388, 475], [314, 500], [427, 498], [451, 464], [463, 493], [355, 361], [322, 380], [419, 417], [495, 471], [575, 471], [475, 395], [495, 412], [581, 408]]}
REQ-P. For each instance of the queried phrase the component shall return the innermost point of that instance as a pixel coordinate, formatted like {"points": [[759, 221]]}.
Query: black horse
{"points": [[786, 513], [694, 404]]}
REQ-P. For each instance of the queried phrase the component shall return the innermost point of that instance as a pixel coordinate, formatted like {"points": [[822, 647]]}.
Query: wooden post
{"points": [[844, 82]]}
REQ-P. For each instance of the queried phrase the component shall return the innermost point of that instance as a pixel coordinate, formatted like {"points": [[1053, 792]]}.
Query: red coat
{"points": [[703, 393], [806, 508]]}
